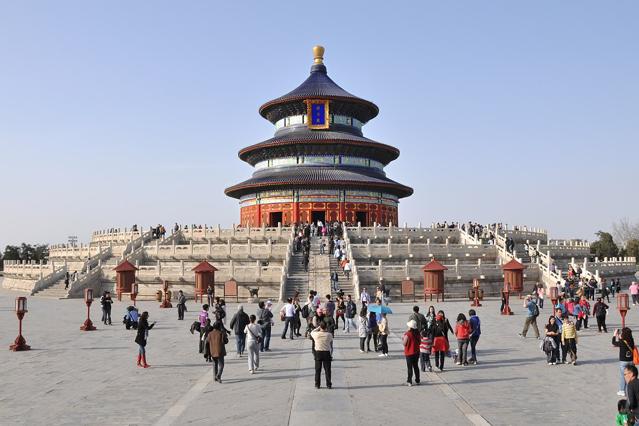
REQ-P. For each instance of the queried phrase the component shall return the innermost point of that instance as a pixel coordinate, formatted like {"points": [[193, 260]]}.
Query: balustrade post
{"points": [[248, 243], [182, 267], [258, 265], [359, 229], [232, 268], [457, 266], [228, 247], [158, 268], [407, 269], [233, 231], [388, 247], [191, 246], [410, 247], [380, 275], [210, 248]]}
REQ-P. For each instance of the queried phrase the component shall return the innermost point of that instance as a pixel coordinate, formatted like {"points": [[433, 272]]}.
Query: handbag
{"points": [[258, 338], [635, 353]]}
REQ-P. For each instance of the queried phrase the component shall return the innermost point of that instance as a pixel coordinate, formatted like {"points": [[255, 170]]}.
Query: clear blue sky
{"points": [[120, 112]]}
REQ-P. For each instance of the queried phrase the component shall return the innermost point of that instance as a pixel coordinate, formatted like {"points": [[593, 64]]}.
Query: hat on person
{"points": [[269, 303], [412, 324]]}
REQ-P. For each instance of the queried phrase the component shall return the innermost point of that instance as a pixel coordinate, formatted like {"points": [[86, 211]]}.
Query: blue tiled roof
{"points": [[319, 176]]}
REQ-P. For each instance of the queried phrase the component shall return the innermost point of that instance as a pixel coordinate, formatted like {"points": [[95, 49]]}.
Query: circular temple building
{"points": [[318, 165]]}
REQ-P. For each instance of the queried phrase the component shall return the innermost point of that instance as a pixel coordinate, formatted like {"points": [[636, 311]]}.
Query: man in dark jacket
{"points": [[632, 389], [418, 318], [238, 324], [265, 320], [181, 305]]}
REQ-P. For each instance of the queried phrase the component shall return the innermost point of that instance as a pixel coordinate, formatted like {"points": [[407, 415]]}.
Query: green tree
{"points": [[632, 248], [605, 246], [12, 253]]}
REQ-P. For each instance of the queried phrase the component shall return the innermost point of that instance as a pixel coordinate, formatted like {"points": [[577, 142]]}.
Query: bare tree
{"points": [[624, 230]]}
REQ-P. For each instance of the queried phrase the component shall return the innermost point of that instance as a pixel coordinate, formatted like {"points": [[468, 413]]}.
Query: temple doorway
{"points": [[318, 215], [275, 218], [361, 218]]}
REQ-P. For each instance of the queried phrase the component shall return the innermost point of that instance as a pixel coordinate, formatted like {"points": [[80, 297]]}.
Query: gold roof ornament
{"points": [[318, 54]]}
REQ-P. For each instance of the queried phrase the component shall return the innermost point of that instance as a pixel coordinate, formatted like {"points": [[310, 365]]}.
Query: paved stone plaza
{"points": [[74, 377]]}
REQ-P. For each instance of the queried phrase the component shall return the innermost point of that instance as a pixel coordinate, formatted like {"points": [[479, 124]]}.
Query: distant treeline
{"points": [[25, 252]]}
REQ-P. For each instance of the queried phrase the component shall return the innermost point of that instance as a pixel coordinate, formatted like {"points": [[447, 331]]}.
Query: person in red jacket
{"points": [[462, 332], [411, 340]]}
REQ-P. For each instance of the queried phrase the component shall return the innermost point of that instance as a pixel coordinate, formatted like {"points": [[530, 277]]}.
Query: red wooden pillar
{"points": [[296, 212], [342, 211]]}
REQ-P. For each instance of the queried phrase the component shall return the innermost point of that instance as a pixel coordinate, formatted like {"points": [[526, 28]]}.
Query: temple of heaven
{"points": [[318, 165]]}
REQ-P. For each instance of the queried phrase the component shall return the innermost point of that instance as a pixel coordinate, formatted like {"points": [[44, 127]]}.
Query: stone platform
{"points": [[74, 377]]}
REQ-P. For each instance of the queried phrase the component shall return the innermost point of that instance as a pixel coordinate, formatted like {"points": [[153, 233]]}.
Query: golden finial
{"points": [[318, 54]]}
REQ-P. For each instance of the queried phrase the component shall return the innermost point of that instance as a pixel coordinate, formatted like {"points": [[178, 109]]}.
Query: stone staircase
{"points": [[346, 285], [298, 278], [56, 291]]}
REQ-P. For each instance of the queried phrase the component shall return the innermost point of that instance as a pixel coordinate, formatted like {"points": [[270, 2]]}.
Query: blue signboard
{"points": [[317, 114]]}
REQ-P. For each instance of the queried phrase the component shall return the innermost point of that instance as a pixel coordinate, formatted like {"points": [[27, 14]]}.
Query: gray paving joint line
{"points": [[462, 405], [174, 412]]}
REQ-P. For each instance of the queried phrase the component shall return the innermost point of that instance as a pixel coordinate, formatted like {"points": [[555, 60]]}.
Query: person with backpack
{"points": [[475, 332], [531, 317], [600, 310], [349, 313], [625, 342], [238, 323], [371, 331]]}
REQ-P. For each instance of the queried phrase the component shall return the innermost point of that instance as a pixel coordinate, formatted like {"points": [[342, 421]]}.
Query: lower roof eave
{"points": [[238, 191]]}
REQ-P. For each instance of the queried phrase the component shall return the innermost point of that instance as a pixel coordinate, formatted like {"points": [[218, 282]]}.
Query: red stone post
{"points": [[88, 299], [20, 344]]}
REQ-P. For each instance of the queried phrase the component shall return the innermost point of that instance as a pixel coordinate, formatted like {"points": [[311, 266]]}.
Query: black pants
{"points": [[218, 367], [384, 343], [439, 359], [362, 340], [601, 323], [412, 367], [473, 347], [424, 358], [181, 311], [323, 359]]}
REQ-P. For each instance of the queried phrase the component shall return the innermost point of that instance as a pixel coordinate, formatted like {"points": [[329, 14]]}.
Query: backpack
{"points": [[305, 311], [535, 310]]}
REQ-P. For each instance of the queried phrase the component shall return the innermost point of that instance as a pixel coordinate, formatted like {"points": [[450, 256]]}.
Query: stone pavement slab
{"points": [[74, 377]]}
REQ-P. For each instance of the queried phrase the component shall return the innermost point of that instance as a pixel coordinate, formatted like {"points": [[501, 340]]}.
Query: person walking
{"points": [[181, 305], [202, 317], [600, 310], [362, 329], [287, 314], [209, 294], [440, 339], [430, 318], [350, 311], [584, 312], [217, 339], [551, 341], [462, 332], [383, 335], [531, 317], [334, 280], [625, 342], [541, 293], [265, 320], [141, 338], [238, 323], [323, 344], [475, 332], [364, 297], [425, 347], [569, 339], [559, 320], [106, 302], [411, 341], [253, 334], [66, 281], [634, 292]]}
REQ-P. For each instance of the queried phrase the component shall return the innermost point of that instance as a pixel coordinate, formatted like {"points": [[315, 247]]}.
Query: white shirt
{"points": [[365, 297], [289, 310]]}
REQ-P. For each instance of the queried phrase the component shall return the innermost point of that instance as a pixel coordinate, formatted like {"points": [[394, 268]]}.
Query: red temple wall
{"points": [[293, 212]]}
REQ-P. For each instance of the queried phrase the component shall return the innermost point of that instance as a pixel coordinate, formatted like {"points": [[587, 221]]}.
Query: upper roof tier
{"points": [[319, 86]]}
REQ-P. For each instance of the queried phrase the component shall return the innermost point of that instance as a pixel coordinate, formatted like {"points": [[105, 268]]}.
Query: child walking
{"points": [[425, 346]]}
